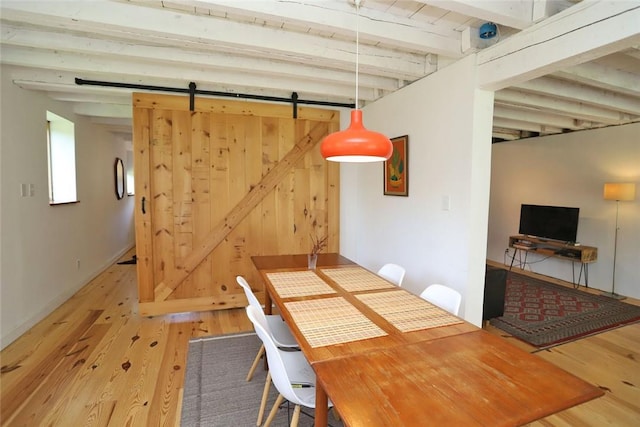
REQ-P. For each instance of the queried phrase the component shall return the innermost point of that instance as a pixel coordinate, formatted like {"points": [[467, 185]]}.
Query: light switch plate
{"points": [[446, 203]]}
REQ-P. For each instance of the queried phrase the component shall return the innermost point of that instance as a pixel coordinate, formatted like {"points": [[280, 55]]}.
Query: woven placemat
{"points": [[290, 284], [328, 321], [353, 279], [408, 312]]}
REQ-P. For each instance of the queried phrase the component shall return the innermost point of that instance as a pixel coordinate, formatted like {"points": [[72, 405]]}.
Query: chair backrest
{"points": [[253, 301], [393, 273], [279, 374], [444, 297]]}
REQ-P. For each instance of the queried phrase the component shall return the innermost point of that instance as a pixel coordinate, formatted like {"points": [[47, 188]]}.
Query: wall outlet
{"points": [[78, 264], [506, 251]]}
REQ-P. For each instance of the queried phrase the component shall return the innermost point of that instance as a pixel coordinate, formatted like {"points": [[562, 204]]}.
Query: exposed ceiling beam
{"points": [[562, 106], [124, 99], [103, 110], [515, 14], [634, 52], [61, 85], [20, 37], [146, 72], [506, 134], [602, 76], [578, 34], [523, 125], [506, 111], [150, 25], [339, 17], [581, 93]]}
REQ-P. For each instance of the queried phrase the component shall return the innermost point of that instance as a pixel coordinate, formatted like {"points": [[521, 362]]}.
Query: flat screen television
{"points": [[549, 222]]}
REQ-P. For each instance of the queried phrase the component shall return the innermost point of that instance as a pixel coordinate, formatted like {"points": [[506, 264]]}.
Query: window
{"points": [[61, 149]]}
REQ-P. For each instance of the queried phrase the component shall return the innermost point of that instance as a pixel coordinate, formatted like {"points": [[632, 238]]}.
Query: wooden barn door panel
{"points": [[144, 239], [220, 184], [161, 203], [202, 206]]}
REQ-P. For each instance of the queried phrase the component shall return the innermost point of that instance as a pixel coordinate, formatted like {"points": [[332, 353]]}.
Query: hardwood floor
{"points": [[95, 362], [609, 360]]}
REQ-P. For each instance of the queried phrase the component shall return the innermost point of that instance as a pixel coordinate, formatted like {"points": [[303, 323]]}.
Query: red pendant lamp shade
{"points": [[356, 144]]}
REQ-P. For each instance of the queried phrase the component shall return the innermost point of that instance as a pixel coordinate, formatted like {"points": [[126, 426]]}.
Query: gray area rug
{"points": [[216, 393]]}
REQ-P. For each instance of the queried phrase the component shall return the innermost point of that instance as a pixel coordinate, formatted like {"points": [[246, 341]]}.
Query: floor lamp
{"points": [[625, 192]]}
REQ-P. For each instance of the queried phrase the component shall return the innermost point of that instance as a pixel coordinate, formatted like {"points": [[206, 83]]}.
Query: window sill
{"points": [[63, 203]]}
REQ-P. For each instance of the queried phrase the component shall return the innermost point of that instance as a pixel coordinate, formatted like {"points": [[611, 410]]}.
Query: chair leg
{"points": [[255, 363], [274, 410], [296, 416], [265, 394]]}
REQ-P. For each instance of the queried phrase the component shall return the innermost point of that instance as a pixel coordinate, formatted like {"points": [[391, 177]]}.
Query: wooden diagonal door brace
{"points": [[241, 210]]}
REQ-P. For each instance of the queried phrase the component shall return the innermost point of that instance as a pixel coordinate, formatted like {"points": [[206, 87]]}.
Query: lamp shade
{"points": [[622, 191], [356, 144]]}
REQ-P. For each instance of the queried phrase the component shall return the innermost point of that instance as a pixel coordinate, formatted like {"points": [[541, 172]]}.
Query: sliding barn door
{"points": [[222, 183]]}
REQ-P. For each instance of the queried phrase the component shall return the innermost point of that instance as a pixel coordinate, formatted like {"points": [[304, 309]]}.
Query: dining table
{"points": [[386, 357]]}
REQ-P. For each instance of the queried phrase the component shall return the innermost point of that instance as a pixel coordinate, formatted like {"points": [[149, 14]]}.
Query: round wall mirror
{"points": [[119, 172]]}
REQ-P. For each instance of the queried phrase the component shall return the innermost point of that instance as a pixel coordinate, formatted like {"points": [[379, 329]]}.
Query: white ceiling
{"points": [[277, 47]]}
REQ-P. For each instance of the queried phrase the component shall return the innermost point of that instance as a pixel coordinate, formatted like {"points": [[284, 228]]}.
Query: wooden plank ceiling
{"points": [[277, 47]]}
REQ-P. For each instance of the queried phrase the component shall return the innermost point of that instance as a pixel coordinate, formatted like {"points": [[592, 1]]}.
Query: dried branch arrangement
{"points": [[318, 244]]}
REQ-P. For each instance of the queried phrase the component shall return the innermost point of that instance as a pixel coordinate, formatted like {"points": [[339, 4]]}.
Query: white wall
{"points": [[41, 243], [570, 170], [448, 123]]}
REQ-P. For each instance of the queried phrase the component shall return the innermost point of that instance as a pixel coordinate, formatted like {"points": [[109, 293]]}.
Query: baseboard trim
{"points": [[20, 330]]}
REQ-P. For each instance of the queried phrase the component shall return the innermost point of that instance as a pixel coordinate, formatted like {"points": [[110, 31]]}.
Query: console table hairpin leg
{"points": [[518, 252], [583, 267]]}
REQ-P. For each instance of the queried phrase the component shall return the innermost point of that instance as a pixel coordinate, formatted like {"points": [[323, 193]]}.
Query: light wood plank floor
{"points": [[95, 362]]}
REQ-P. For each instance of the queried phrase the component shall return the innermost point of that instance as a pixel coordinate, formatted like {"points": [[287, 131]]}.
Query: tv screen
{"points": [[549, 222]]}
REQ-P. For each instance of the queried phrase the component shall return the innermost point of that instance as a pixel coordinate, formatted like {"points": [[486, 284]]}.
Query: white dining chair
{"points": [[393, 273], [290, 372], [444, 297], [279, 332], [278, 329]]}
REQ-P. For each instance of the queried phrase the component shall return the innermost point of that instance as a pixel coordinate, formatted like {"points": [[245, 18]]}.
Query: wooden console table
{"points": [[551, 248]]}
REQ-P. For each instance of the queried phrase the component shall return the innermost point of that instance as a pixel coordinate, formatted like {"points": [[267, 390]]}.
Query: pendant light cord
{"points": [[357, 2]]}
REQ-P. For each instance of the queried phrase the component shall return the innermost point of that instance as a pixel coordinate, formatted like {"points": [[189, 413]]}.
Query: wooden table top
{"points": [[473, 379], [330, 304], [387, 357]]}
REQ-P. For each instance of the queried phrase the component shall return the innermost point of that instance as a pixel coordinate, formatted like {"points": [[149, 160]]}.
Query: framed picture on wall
{"points": [[396, 169]]}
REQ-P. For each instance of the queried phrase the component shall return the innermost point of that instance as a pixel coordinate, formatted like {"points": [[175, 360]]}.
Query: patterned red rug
{"points": [[544, 314]]}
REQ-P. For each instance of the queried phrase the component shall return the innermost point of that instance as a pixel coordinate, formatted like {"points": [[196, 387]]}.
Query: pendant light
{"points": [[356, 144]]}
